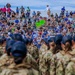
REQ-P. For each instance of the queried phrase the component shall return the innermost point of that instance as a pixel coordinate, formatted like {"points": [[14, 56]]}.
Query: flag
{"points": [[40, 23]]}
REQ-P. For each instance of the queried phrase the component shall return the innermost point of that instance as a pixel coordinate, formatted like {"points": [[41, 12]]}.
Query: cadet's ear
{"points": [[4, 51], [52, 44], [63, 46], [10, 54], [73, 42]]}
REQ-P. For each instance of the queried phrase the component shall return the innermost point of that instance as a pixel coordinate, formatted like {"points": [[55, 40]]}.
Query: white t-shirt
{"points": [[48, 8]]}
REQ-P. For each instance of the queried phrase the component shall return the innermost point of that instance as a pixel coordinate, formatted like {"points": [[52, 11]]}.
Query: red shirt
{"points": [[4, 9], [8, 9]]}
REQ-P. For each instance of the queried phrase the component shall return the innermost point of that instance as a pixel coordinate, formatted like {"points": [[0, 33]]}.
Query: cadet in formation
{"points": [[7, 53], [70, 69], [48, 67], [18, 66], [32, 49], [63, 57], [42, 51]]}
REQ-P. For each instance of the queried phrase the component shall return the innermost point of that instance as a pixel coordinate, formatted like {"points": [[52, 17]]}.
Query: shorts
{"points": [[48, 13]]}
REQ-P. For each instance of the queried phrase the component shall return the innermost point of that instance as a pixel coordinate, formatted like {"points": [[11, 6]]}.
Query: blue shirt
{"points": [[16, 21]]}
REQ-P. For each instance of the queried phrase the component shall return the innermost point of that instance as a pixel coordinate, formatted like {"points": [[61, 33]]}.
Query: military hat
{"points": [[19, 49], [9, 44], [51, 39], [45, 40], [30, 40], [17, 37], [58, 39], [66, 38]]}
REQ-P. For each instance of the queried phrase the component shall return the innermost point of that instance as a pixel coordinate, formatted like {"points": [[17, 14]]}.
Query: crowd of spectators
{"points": [[23, 23]]}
